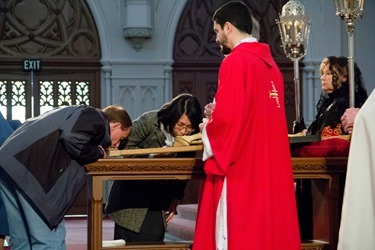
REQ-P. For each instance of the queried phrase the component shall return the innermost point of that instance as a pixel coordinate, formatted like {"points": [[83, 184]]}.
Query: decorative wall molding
{"points": [[138, 21], [62, 29]]}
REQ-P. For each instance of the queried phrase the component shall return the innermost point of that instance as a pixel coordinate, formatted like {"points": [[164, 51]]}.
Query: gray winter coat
{"points": [[44, 157]]}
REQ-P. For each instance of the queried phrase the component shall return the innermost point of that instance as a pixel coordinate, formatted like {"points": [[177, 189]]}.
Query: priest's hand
{"points": [[208, 109], [201, 125]]}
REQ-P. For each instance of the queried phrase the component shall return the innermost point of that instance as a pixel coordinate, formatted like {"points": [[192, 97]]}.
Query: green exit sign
{"points": [[32, 65]]}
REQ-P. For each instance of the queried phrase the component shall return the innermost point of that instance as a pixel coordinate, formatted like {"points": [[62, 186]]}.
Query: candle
{"points": [[349, 4]]}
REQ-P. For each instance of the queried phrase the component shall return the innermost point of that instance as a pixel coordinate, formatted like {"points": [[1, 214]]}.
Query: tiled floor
{"points": [[76, 233]]}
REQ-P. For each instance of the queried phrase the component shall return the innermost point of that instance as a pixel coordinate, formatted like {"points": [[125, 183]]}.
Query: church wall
{"points": [[141, 79], [138, 79], [130, 77]]}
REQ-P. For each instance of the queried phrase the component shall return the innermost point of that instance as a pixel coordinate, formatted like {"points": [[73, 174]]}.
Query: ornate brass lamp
{"points": [[294, 27], [349, 10]]}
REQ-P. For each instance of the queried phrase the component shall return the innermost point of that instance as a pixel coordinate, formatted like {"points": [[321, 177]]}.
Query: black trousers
{"points": [[152, 229]]}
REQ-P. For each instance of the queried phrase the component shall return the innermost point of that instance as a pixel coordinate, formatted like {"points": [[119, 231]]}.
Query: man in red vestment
{"points": [[247, 200]]}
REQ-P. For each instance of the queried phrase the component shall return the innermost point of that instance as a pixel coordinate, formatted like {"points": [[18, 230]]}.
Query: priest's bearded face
{"points": [[225, 50], [221, 38]]}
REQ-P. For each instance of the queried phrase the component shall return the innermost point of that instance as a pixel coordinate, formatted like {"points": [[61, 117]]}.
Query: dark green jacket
{"points": [[129, 201]]}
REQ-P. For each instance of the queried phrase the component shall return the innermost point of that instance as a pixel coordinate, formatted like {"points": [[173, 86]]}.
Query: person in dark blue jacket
{"points": [[41, 169], [5, 131]]}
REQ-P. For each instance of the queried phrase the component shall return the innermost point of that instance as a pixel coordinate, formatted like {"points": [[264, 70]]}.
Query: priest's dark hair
{"points": [[237, 13]]}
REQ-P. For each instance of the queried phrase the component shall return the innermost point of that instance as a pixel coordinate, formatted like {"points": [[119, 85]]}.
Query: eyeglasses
{"points": [[180, 126]]}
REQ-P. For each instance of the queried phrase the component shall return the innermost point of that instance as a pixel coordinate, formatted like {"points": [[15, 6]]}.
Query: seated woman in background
{"points": [[334, 99], [5, 131], [333, 102], [142, 209]]}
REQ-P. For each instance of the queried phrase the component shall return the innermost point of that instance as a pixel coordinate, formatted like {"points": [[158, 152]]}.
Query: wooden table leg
{"points": [[327, 209], [95, 216]]}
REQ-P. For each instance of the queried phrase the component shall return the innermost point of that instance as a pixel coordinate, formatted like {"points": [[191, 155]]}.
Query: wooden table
{"points": [[327, 180], [132, 169], [327, 174]]}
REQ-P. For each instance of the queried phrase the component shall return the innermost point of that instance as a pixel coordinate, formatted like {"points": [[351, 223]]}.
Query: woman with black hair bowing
{"points": [[142, 209]]}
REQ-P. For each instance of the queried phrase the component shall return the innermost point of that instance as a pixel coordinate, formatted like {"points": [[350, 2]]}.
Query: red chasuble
{"points": [[249, 139]]}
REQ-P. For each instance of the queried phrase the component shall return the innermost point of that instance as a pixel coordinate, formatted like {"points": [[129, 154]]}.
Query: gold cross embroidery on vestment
{"points": [[273, 94]]}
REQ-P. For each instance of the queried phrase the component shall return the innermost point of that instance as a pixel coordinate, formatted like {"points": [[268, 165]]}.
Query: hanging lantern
{"points": [[294, 27]]}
